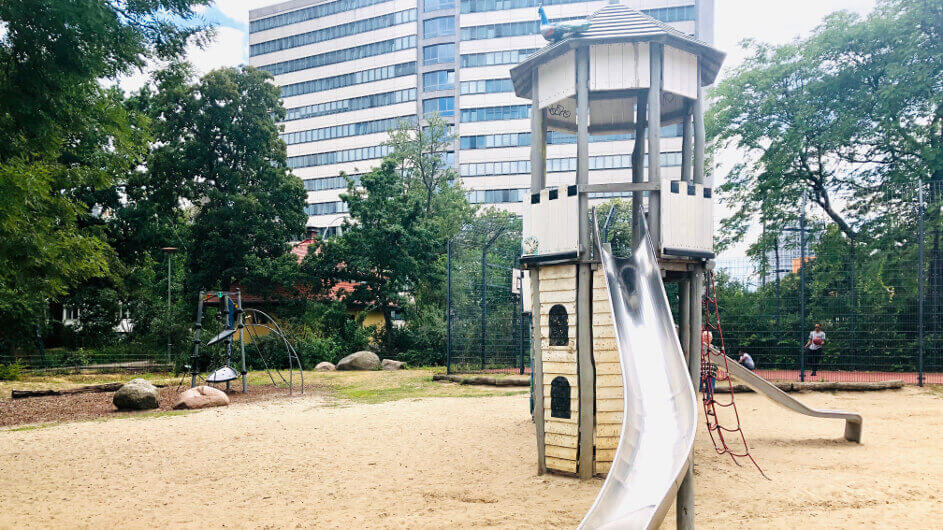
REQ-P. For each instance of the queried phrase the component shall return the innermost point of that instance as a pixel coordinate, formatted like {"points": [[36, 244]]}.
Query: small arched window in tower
{"points": [[559, 397], [559, 326]]}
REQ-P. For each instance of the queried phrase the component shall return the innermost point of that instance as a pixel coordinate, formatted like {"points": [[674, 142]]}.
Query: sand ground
{"points": [[452, 462]]}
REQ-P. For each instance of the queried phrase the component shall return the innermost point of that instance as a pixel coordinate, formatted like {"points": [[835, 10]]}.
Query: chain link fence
{"points": [[487, 327], [878, 296]]}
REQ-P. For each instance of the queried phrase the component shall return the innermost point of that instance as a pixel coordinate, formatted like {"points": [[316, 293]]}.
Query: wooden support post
{"points": [[584, 273], [687, 138], [654, 145], [538, 161], [684, 505], [638, 169], [699, 135]]}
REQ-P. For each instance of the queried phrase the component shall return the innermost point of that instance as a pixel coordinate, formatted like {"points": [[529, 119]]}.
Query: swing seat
{"points": [[225, 334], [222, 375]]}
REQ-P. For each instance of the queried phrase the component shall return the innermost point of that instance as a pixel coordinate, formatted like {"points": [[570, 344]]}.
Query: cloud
{"points": [[229, 48]]}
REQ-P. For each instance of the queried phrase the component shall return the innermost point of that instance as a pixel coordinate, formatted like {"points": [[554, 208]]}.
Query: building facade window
{"points": [[664, 14], [351, 79], [337, 157], [345, 130], [326, 208], [486, 86], [348, 105], [438, 27], [331, 183], [478, 6], [441, 106], [333, 32], [438, 53], [435, 5], [489, 141], [340, 56], [309, 13], [497, 196], [510, 112], [438, 80], [559, 165], [495, 58]]}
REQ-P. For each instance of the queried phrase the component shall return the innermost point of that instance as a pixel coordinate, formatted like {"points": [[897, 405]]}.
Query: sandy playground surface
{"points": [[452, 462]]}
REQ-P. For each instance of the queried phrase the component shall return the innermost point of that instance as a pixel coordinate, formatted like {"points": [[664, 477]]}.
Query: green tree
{"points": [[401, 215], [219, 149], [840, 117], [65, 141]]}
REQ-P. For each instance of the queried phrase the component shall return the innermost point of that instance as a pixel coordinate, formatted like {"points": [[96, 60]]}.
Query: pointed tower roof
{"points": [[618, 23]]}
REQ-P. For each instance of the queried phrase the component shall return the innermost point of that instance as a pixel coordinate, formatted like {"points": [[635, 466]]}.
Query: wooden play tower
{"points": [[625, 73]]}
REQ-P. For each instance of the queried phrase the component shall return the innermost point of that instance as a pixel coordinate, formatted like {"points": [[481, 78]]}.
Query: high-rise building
{"points": [[350, 70]]}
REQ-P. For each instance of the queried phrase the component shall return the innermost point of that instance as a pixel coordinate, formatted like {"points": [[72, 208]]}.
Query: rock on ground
{"points": [[202, 397], [390, 364], [325, 367], [361, 360], [137, 394]]}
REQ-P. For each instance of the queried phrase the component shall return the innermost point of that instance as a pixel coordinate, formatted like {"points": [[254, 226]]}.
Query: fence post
{"points": [[448, 307], [854, 309], [802, 326], [484, 302], [920, 283], [520, 310]]}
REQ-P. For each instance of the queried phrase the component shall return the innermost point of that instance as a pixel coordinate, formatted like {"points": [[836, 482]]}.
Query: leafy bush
{"points": [[10, 372], [76, 357]]}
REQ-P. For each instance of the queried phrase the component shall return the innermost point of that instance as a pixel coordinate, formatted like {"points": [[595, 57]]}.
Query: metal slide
{"points": [[762, 386], [660, 404]]}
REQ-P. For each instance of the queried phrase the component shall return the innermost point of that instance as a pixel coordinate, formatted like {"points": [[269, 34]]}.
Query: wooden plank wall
{"points": [[608, 377], [558, 286]]}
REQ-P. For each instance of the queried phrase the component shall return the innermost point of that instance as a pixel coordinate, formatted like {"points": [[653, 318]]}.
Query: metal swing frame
{"points": [[236, 329]]}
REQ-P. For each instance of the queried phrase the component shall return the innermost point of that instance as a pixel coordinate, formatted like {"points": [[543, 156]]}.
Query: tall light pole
{"points": [[170, 252]]}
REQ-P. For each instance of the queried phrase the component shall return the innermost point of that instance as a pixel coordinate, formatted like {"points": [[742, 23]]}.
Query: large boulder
{"points": [[325, 367], [361, 360], [201, 397], [390, 364], [137, 394]]}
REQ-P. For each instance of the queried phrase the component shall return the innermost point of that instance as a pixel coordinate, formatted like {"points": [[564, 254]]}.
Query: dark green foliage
{"points": [[67, 143], [10, 372], [402, 214]]}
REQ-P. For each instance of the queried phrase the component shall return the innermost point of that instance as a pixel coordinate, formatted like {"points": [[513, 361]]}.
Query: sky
{"points": [[771, 21]]}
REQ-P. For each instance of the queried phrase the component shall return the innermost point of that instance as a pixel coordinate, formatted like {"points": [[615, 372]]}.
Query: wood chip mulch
{"points": [[50, 409]]}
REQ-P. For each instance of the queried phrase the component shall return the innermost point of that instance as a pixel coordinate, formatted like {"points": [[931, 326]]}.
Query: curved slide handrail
{"points": [[660, 405], [759, 385]]}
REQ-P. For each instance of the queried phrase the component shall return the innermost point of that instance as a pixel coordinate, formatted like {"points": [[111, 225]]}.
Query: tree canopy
{"points": [[840, 117]]}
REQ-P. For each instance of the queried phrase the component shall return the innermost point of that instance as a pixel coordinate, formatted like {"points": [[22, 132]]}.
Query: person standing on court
{"points": [[814, 347]]}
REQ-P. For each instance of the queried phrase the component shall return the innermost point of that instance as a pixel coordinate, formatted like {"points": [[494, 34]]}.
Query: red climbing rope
{"points": [[711, 374]]}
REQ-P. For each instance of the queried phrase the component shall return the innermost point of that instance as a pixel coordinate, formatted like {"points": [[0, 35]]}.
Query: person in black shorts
{"points": [[814, 347]]}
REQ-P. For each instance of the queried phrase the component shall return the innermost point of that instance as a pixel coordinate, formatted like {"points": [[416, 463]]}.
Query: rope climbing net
{"points": [[711, 375]]}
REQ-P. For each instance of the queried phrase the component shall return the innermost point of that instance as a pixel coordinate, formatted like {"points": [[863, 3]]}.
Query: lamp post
{"points": [[170, 252]]}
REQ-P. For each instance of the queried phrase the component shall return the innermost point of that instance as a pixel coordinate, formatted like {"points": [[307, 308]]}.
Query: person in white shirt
{"points": [[747, 361], [814, 347]]}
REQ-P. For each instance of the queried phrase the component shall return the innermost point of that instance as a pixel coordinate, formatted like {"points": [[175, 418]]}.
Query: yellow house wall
{"points": [[557, 285], [609, 402]]}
